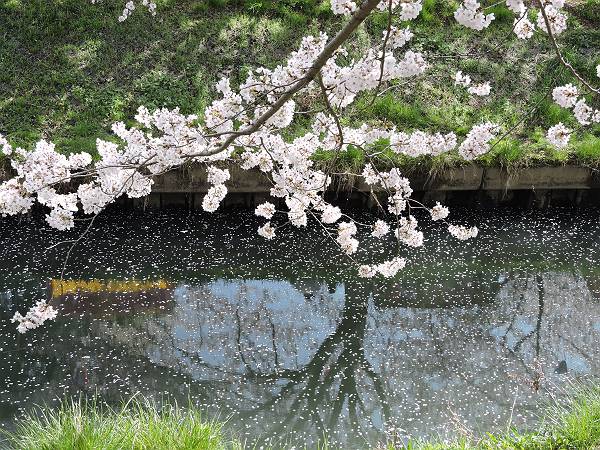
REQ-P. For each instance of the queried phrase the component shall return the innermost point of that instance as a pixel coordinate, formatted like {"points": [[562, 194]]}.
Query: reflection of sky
{"points": [[205, 321], [472, 360], [273, 312]]}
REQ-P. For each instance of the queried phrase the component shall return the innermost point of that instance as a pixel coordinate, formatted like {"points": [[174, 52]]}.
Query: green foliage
{"points": [[506, 152], [587, 149], [590, 10], [400, 114], [549, 113], [351, 159], [70, 69], [577, 424], [286, 8], [502, 14]]}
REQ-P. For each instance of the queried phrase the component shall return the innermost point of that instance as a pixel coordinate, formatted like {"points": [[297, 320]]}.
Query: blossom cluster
{"points": [[130, 7], [387, 268], [471, 14], [559, 135], [481, 89], [345, 82], [267, 231], [567, 96], [409, 9], [556, 18], [397, 37], [439, 212], [345, 238], [36, 316], [463, 233], [478, 140], [523, 27], [380, 228], [217, 192], [408, 233]]}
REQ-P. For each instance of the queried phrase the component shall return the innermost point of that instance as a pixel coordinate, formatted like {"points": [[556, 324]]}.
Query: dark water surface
{"points": [[286, 342]]}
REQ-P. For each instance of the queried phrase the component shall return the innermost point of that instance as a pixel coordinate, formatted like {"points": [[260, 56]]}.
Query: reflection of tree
{"points": [[83, 365], [556, 308], [474, 360], [279, 357], [532, 368], [329, 389]]}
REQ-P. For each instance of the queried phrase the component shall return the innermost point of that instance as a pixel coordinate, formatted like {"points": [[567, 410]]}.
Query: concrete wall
{"points": [[467, 178], [471, 185]]}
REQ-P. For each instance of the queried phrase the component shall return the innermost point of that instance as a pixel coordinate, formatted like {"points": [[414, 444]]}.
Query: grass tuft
{"points": [[138, 425]]}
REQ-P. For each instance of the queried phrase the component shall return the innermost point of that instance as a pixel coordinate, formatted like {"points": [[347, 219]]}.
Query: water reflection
{"points": [[289, 358]]}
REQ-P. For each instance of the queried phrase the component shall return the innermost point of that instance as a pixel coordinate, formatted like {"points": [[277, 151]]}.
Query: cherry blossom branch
{"points": [[357, 18], [253, 118], [559, 54]]}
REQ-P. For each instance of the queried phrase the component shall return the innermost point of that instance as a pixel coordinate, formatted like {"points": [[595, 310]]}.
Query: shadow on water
{"points": [[287, 344]]}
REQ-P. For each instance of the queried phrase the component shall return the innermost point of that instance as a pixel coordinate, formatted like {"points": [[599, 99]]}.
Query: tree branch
{"points": [[359, 17], [561, 58]]}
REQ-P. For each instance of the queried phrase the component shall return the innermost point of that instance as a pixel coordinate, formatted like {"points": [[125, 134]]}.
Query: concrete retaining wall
{"points": [[467, 178], [471, 185]]}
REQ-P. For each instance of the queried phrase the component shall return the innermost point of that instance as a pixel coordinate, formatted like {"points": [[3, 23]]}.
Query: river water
{"points": [[283, 341]]}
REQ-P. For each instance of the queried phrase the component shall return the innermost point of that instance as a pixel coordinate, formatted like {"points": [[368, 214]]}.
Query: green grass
{"points": [[138, 425], [70, 69], [571, 424], [587, 150]]}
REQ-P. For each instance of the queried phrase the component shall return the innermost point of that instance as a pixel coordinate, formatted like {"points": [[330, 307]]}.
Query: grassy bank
{"points": [[137, 425], [574, 424], [70, 69]]}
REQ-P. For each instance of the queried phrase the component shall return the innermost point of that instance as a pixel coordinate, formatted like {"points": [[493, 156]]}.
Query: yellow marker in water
{"points": [[64, 287]]}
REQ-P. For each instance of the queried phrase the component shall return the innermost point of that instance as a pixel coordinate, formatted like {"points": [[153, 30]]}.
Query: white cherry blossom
{"points": [[565, 96], [559, 135], [470, 15], [583, 112], [478, 140], [390, 268], [267, 231], [380, 228], [331, 214], [482, 89], [36, 316], [461, 79], [439, 212], [266, 210], [523, 27], [557, 19], [463, 233]]}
